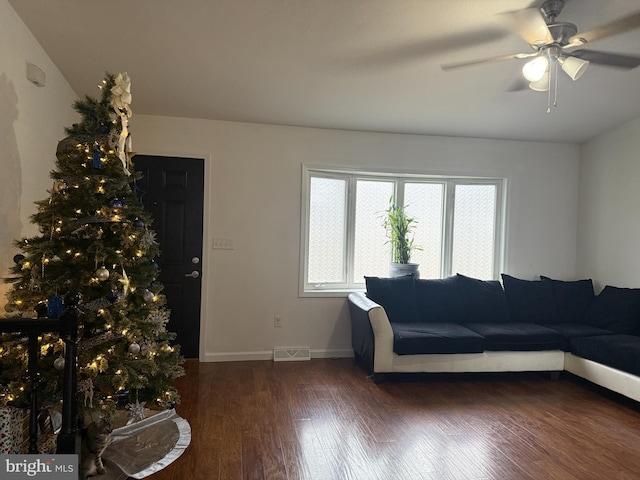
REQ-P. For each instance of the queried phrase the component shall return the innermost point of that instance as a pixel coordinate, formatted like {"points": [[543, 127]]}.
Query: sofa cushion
{"points": [[517, 336], [529, 301], [616, 309], [572, 299], [574, 330], [616, 351], [396, 295], [482, 300], [438, 300], [431, 338]]}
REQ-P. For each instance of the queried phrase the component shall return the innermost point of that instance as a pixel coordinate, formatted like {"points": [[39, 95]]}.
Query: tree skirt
{"points": [[145, 447]]}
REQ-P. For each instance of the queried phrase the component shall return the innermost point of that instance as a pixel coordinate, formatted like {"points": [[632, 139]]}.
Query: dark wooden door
{"points": [[172, 189]]}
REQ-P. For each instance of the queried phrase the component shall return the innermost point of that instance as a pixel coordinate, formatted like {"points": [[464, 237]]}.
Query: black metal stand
{"points": [[34, 379], [67, 326], [68, 438]]}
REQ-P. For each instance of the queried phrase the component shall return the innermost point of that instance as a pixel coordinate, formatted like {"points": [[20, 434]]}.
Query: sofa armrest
{"points": [[371, 333]]}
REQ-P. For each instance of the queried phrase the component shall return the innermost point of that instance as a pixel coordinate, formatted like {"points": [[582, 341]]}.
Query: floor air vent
{"points": [[291, 354]]}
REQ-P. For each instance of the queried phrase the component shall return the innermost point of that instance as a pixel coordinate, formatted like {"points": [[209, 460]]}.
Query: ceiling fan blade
{"points": [[480, 61], [413, 51], [616, 27], [530, 25], [616, 60], [518, 84]]}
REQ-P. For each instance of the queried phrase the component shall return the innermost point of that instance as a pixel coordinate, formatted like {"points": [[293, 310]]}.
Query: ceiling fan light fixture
{"points": [[541, 85], [573, 66], [534, 69]]}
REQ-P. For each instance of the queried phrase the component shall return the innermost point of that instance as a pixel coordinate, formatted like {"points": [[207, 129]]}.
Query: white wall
{"points": [[32, 121], [253, 196], [609, 215]]}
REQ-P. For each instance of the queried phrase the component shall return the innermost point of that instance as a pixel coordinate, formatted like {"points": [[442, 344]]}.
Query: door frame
{"points": [[204, 297]]}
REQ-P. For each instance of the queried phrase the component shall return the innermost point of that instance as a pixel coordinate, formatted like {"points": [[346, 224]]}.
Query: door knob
{"points": [[194, 274]]}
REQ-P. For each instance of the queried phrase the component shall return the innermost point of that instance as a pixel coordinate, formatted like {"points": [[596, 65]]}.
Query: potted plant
{"points": [[399, 227]]}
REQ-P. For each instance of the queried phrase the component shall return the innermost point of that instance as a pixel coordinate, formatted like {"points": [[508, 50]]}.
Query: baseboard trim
{"points": [[268, 355], [332, 353]]}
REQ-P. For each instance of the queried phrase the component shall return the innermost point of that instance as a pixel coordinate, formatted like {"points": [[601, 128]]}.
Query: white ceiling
{"points": [[369, 65]]}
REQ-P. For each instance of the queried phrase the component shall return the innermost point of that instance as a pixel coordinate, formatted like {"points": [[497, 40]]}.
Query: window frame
{"points": [[399, 179]]}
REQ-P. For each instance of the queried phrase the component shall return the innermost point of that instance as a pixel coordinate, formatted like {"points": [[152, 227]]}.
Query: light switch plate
{"points": [[223, 243]]}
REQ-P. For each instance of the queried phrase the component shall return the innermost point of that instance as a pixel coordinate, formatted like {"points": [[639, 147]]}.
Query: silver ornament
{"points": [[148, 296], [102, 274], [134, 348], [58, 363], [136, 412]]}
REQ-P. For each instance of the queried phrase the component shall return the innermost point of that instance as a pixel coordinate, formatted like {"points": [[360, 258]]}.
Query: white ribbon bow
{"points": [[120, 101]]}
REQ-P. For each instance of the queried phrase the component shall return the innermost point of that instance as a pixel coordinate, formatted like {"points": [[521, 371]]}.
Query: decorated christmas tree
{"points": [[95, 242]]}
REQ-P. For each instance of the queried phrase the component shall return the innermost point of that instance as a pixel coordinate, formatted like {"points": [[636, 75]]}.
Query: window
{"points": [[458, 226]]}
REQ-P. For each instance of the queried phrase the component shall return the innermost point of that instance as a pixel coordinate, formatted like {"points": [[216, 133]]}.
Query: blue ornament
{"points": [[115, 203], [138, 223], [55, 307], [18, 258], [97, 159]]}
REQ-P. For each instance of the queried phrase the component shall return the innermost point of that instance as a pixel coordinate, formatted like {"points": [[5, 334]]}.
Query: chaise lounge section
{"points": [[462, 324]]}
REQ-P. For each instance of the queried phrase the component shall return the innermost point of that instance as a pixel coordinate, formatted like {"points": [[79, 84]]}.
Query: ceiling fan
{"points": [[556, 43]]}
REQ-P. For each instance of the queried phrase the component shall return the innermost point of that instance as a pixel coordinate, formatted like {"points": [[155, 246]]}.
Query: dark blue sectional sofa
{"points": [[462, 324]]}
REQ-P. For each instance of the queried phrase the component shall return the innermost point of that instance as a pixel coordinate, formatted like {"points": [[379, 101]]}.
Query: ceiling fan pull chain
{"points": [[549, 91], [553, 81], [555, 88]]}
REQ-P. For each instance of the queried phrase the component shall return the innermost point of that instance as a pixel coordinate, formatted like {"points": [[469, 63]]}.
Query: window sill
{"points": [[328, 293]]}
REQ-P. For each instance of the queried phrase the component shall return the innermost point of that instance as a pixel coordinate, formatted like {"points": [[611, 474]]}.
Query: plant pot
{"points": [[402, 269]]}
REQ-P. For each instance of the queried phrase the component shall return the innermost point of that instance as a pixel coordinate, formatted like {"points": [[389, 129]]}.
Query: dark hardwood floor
{"points": [[324, 420]]}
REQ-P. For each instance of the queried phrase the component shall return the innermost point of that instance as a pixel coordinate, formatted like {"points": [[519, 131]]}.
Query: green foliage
{"points": [[399, 228], [97, 117], [91, 219]]}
